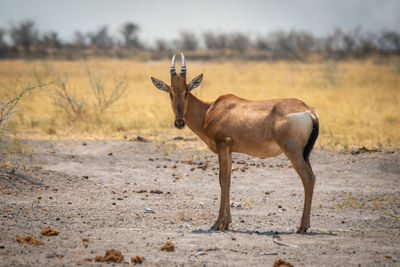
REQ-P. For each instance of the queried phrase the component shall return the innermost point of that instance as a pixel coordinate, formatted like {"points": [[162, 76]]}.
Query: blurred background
{"points": [[85, 66], [261, 30]]}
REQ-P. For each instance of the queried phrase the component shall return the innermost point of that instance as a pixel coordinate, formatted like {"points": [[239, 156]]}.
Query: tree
{"points": [[101, 38], [389, 42], [161, 45], [3, 44], [188, 41], [239, 42], [80, 40], [51, 40], [129, 33], [24, 35], [215, 41]]}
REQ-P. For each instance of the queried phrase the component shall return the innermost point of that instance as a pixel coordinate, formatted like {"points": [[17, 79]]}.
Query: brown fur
{"points": [[258, 128]]}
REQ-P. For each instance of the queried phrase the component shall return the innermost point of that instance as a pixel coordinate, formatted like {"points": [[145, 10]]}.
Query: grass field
{"points": [[357, 101]]}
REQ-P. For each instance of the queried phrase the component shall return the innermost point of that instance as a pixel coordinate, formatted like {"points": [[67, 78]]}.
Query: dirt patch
{"points": [[29, 239], [49, 231], [137, 259], [282, 263], [168, 246], [354, 215]]}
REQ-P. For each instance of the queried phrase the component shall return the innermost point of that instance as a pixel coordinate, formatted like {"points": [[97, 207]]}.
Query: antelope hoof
{"points": [[221, 225], [303, 230]]}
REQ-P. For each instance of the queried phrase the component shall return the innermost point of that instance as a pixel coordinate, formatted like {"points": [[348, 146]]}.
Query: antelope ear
{"points": [[195, 82], [160, 84]]}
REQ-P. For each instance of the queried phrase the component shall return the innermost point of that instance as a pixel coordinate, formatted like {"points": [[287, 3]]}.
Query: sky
{"points": [[166, 19]]}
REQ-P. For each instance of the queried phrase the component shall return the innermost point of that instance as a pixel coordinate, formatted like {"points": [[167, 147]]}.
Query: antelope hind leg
{"points": [[308, 179]]}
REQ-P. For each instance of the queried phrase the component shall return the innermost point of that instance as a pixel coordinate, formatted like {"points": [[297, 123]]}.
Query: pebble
{"points": [[147, 210]]}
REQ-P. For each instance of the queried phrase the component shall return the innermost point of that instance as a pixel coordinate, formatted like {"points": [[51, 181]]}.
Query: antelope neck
{"points": [[195, 114]]}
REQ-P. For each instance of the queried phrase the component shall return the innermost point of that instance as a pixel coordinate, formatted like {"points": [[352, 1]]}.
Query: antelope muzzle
{"points": [[179, 123]]}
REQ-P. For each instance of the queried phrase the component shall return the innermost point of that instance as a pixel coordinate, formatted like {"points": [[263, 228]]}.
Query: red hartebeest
{"points": [[257, 128]]}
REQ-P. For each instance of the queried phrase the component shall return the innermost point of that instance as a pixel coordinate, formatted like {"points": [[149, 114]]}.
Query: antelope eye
{"points": [[170, 95]]}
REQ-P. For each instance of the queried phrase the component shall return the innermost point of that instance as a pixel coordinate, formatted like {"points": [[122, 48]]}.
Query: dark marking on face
{"points": [[179, 122]]}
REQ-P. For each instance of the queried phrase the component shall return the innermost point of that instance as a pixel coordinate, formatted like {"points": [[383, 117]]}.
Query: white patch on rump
{"points": [[315, 117], [301, 123]]}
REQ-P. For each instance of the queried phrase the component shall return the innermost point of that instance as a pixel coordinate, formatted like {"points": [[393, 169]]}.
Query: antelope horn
{"points": [[173, 71], [183, 67]]}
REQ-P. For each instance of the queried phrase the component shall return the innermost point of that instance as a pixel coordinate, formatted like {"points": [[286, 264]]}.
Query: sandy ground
{"points": [[100, 190]]}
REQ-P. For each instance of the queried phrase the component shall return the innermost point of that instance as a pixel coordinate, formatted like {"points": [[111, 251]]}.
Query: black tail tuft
{"points": [[311, 140]]}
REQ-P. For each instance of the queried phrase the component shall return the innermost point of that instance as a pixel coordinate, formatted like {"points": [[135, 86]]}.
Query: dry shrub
{"points": [[168, 246], [49, 231], [137, 259], [90, 109], [29, 239], [282, 263], [7, 108], [111, 255]]}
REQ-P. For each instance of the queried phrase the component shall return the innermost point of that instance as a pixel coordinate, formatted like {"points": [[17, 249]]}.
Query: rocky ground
{"points": [[133, 195]]}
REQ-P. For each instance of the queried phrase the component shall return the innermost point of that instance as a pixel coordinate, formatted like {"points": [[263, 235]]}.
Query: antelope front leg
{"points": [[225, 166]]}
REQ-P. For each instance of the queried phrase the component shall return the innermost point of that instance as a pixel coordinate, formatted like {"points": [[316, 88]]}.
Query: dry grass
{"points": [[358, 102]]}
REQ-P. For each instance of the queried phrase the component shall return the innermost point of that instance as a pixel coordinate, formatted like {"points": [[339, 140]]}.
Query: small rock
{"points": [[236, 205], [141, 191], [148, 210], [200, 253], [140, 139], [156, 191]]}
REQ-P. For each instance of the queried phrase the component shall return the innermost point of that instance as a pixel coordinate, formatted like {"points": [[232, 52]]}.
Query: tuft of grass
{"points": [[17, 146], [380, 204], [249, 204], [352, 202]]}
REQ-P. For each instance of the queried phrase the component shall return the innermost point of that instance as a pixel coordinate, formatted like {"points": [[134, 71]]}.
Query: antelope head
{"points": [[179, 91]]}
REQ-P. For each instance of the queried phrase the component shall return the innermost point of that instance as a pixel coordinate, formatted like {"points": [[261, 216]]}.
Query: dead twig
{"points": [[277, 240], [21, 176]]}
